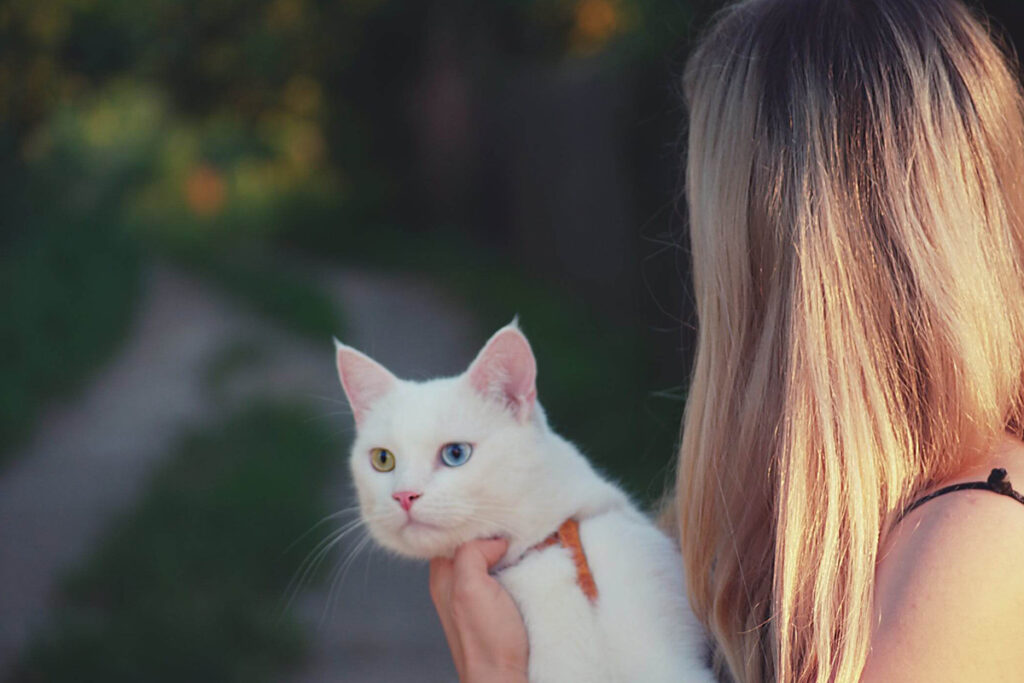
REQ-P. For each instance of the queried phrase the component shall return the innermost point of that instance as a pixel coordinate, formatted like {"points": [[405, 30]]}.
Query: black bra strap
{"points": [[997, 483]]}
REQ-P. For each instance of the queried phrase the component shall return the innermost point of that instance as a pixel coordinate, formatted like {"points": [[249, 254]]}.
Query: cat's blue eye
{"points": [[455, 454]]}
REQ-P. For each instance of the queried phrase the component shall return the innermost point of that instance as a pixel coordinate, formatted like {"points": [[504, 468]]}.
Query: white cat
{"points": [[441, 462]]}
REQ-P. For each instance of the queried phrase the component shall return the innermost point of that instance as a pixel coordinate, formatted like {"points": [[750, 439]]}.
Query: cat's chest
{"points": [[637, 627], [548, 573], [562, 621]]}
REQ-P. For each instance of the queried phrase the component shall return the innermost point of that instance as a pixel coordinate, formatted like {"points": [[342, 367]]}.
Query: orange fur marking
{"points": [[568, 536]]}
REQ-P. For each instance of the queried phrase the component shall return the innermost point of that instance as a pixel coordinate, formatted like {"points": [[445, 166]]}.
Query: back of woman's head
{"points": [[855, 183]]}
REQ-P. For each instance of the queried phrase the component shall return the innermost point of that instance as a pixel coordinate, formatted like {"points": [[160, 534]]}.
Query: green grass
{"points": [[69, 290], [189, 587]]}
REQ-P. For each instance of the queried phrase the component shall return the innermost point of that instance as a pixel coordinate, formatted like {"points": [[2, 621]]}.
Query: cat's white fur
{"points": [[521, 482]]}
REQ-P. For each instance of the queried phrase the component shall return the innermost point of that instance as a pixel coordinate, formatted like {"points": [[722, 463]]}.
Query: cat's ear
{"points": [[364, 380], [505, 370]]}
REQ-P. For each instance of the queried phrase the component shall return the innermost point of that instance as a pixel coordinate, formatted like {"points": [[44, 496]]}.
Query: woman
{"points": [[855, 183]]}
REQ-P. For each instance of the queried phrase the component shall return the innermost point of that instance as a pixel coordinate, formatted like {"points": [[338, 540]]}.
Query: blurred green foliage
{"points": [[218, 130], [189, 587], [91, 197], [268, 287], [68, 271], [69, 291], [262, 98]]}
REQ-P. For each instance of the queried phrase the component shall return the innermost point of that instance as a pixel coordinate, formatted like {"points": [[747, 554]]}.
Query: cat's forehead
{"points": [[435, 397], [443, 409]]}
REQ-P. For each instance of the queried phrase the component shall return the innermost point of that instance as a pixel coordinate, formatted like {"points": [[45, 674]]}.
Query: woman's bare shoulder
{"points": [[949, 593]]}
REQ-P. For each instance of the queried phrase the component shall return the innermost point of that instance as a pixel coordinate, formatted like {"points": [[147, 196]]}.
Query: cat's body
{"points": [[511, 476]]}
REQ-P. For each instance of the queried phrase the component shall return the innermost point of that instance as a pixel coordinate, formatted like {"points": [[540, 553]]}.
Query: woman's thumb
{"points": [[480, 555]]}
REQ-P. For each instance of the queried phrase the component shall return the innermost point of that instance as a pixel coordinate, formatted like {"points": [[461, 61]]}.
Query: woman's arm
{"points": [[485, 632], [949, 594]]}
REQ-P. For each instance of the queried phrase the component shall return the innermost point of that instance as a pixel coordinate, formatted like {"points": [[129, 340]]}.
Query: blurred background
{"points": [[195, 195]]}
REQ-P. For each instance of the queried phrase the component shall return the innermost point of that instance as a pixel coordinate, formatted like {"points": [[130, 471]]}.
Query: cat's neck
{"points": [[570, 489]]}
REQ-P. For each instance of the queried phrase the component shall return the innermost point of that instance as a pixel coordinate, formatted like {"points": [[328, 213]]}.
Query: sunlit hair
{"points": [[855, 182]]}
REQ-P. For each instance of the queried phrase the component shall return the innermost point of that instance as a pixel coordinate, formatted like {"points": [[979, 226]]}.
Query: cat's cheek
{"points": [[370, 491], [390, 539]]}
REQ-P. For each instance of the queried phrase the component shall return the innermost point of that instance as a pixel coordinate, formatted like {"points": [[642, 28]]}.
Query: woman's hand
{"points": [[484, 629]]}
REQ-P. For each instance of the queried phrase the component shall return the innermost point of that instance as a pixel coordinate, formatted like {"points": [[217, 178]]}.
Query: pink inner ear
{"points": [[364, 380], [506, 370]]}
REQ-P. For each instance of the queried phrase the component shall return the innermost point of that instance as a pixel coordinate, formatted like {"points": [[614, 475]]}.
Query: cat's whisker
{"points": [[345, 430], [315, 558], [329, 416], [483, 506], [334, 515], [511, 527], [463, 510], [344, 530], [329, 399], [311, 563], [495, 515], [339, 575], [456, 505]]}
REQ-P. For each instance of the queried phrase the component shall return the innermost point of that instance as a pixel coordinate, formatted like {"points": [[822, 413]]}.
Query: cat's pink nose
{"points": [[405, 498]]}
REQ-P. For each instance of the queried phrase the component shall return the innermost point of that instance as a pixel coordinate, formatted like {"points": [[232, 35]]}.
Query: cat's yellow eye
{"points": [[382, 459]]}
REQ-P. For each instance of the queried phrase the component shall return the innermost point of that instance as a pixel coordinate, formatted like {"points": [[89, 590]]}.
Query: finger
{"points": [[440, 581], [476, 557], [441, 576]]}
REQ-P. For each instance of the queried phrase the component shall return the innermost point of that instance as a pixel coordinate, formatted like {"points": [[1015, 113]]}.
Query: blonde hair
{"points": [[855, 182]]}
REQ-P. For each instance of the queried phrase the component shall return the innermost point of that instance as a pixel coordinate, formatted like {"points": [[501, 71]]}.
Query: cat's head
{"points": [[441, 462]]}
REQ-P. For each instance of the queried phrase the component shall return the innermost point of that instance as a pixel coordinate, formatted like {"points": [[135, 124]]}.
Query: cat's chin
{"points": [[420, 541], [425, 537]]}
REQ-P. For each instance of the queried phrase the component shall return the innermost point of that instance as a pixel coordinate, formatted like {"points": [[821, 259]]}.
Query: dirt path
{"points": [[93, 457]]}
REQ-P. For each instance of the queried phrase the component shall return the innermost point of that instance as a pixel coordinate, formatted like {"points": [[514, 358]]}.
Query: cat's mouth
{"points": [[412, 523]]}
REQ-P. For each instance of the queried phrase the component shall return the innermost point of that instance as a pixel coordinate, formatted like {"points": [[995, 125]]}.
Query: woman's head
{"points": [[855, 183]]}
